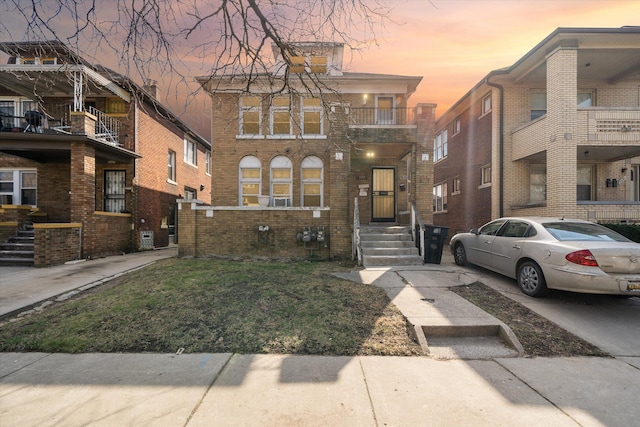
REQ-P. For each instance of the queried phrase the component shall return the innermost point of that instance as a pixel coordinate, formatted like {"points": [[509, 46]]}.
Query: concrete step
{"points": [[390, 260], [387, 244], [390, 251], [384, 237], [16, 261]]}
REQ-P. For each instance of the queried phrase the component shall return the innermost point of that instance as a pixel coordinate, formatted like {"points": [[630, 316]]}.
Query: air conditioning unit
{"points": [[281, 202]]}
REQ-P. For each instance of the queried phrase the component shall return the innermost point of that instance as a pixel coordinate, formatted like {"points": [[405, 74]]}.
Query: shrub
{"points": [[630, 231]]}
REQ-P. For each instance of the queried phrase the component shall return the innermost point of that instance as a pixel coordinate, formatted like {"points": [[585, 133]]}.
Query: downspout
{"points": [[501, 142]]}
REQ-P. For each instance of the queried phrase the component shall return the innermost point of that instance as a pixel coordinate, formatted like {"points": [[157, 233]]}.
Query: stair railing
{"points": [[357, 246], [417, 229]]}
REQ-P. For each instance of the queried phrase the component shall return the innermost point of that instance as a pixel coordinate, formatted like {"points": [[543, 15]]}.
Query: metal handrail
{"points": [[357, 246], [416, 223], [107, 128]]}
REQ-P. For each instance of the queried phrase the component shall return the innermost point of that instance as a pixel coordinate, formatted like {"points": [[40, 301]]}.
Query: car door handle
{"points": [[516, 246], [487, 242]]}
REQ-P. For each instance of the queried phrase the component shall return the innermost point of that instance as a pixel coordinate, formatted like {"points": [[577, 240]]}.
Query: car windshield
{"points": [[582, 231]]}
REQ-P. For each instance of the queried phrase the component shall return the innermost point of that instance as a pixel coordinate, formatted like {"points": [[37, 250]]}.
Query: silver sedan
{"points": [[553, 253]]}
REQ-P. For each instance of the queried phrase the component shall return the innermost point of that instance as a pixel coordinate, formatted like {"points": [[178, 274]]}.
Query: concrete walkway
{"points": [[484, 383]]}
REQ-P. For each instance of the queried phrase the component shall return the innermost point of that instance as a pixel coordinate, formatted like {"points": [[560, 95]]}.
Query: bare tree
{"points": [[175, 39]]}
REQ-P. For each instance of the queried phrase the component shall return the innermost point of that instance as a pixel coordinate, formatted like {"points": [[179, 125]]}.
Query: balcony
{"points": [[362, 117], [59, 119]]}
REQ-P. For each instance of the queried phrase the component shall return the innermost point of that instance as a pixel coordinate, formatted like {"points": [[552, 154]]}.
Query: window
{"points": [[485, 175], [12, 111], [456, 185], [440, 197], [114, 185], [312, 64], [207, 159], [116, 106], [538, 100], [440, 145], [486, 104], [456, 126], [585, 182], [492, 228], [280, 116], [190, 152], [18, 187], [312, 116], [171, 175], [250, 181], [385, 113], [281, 181], [312, 178], [190, 193], [250, 115], [537, 184], [585, 99]]}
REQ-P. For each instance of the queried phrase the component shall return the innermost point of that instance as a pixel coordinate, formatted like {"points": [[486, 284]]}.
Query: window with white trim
{"points": [[538, 101], [457, 185], [440, 197], [457, 126], [485, 175], [207, 160], [190, 193], [312, 116], [281, 181], [250, 115], [486, 104], [190, 152], [312, 181], [18, 187], [280, 116], [12, 111], [250, 177], [171, 164], [308, 64], [440, 145], [537, 183]]}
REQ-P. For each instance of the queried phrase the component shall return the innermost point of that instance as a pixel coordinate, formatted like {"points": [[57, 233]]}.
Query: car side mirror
{"points": [[474, 231]]}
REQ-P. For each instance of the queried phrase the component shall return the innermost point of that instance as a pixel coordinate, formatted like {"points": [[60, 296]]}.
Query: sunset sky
{"points": [[453, 44]]}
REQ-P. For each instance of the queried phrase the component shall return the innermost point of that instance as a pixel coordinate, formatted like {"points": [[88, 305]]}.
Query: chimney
{"points": [[151, 87]]}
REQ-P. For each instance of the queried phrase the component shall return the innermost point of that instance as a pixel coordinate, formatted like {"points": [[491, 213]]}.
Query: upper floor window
{"points": [[190, 152], [250, 176], [190, 193], [12, 111], [457, 185], [207, 159], [385, 111], [280, 116], [586, 99], [486, 104], [18, 187], [171, 160], [37, 60], [250, 115], [538, 102], [440, 145], [281, 181], [485, 175], [312, 179], [312, 116], [456, 126], [310, 64], [440, 197]]}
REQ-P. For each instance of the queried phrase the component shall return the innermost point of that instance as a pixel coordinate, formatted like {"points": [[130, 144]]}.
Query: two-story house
{"points": [[94, 160], [300, 165], [555, 134]]}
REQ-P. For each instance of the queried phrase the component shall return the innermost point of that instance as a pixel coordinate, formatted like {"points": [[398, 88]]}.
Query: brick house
{"points": [[89, 157], [292, 165], [555, 134]]}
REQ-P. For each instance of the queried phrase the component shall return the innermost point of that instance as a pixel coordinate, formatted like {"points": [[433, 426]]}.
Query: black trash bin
{"points": [[434, 237]]}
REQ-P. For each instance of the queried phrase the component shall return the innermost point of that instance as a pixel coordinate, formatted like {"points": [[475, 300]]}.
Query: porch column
{"points": [[83, 189], [422, 179], [338, 183], [562, 118]]}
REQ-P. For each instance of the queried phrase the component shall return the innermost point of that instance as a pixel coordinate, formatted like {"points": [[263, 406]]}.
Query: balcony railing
{"points": [[367, 116], [57, 119]]}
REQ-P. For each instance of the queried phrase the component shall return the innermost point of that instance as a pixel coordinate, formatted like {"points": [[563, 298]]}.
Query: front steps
{"points": [[18, 249], [387, 246]]}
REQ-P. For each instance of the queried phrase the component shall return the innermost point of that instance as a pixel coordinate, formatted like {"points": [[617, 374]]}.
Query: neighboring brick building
{"points": [[555, 134], [310, 153], [83, 145]]}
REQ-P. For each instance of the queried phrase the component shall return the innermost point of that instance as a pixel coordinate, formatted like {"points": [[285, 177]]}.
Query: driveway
{"points": [[610, 322]]}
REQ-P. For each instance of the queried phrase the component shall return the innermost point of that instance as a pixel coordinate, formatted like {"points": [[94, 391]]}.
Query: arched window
{"points": [[281, 181], [312, 174], [250, 173]]}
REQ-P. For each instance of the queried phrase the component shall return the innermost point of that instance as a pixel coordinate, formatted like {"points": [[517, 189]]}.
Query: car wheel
{"points": [[531, 280], [459, 254]]}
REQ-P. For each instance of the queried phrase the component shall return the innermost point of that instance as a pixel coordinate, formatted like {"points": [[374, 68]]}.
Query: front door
{"points": [[383, 203]]}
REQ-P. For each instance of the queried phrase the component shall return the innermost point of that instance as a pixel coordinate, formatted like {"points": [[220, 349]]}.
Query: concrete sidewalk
{"points": [[277, 390]]}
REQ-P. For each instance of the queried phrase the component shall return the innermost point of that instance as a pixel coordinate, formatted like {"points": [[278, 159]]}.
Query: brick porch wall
{"points": [[56, 243]]}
